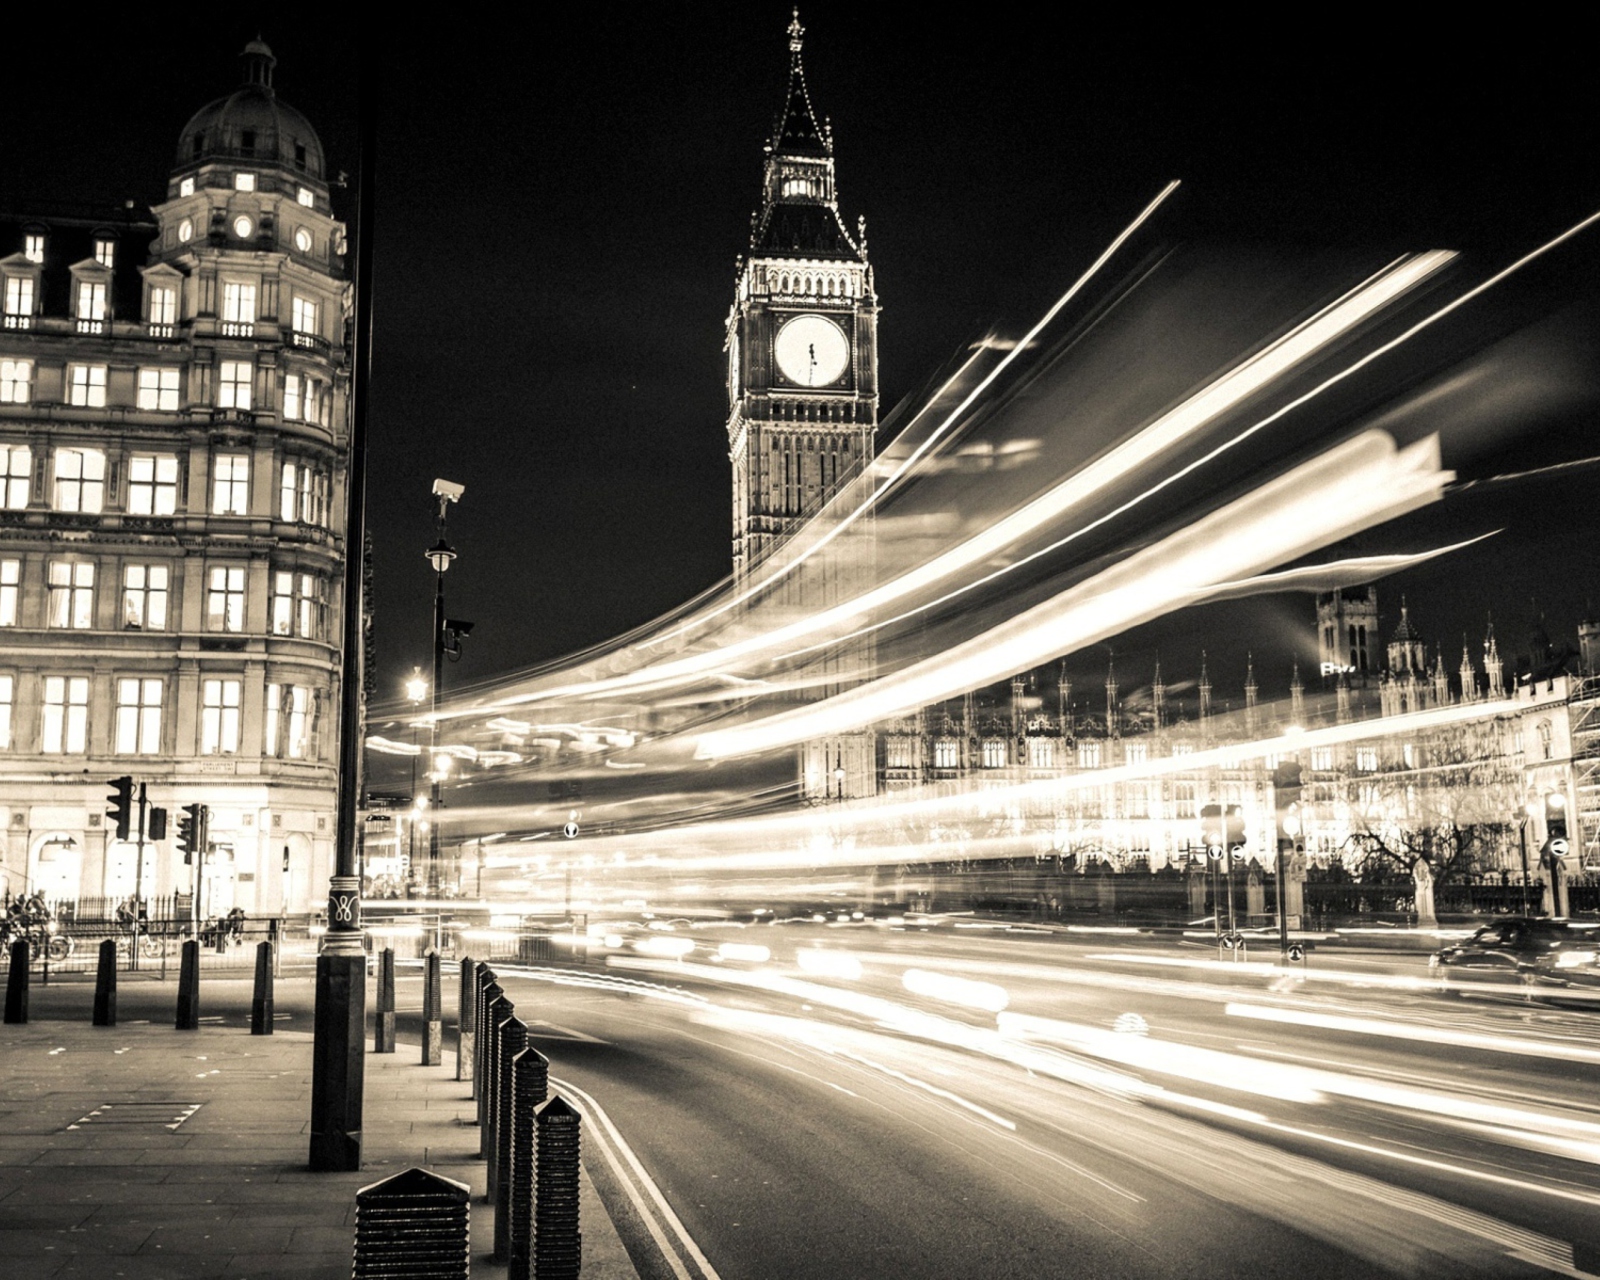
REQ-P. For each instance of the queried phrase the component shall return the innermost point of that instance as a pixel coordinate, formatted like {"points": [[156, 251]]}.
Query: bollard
{"points": [[261, 999], [486, 980], [415, 1224], [189, 987], [500, 1009], [105, 986], [557, 1242], [513, 1040], [466, 1017], [490, 993], [17, 983], [432, 1022], [530, 1086], [383, 1032]]}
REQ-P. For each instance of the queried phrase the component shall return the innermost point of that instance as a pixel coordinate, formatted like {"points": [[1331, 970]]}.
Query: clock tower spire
{"points": [[801, 337]]}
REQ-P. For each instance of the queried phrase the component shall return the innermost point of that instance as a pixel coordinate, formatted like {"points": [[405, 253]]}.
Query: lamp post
{"points": [[416, 691], [440, 555], [1522, 839]]}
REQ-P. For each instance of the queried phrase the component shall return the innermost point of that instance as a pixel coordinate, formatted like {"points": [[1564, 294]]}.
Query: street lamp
{"points": [[439, 556], [416, 691]]}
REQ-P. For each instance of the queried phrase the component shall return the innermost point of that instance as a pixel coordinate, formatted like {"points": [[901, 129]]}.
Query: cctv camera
{"points": [[448, 490]]}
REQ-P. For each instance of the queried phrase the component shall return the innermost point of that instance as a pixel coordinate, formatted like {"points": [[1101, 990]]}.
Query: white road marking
{"points": [[612, 1144]]}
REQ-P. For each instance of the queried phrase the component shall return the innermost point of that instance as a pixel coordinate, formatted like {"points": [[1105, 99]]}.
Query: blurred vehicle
{"points": [[1525, 952]]}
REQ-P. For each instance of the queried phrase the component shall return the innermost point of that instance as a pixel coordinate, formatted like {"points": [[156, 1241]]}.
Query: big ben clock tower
{"points": [[802, 351], [801, 341]]}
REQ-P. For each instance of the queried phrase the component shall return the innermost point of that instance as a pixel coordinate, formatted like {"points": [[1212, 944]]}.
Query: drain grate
{"points": [[164, 1115]]}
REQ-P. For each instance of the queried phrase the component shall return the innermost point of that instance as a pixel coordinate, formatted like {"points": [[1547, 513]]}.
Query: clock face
{"points": [[812, 351], [302, 240], [185, 231], [242, 227]]}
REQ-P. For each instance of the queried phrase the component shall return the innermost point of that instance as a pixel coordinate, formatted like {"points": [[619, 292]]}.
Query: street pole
{"points": [[1522, 839], [440, 564], [338, 1050], [138, 882]]}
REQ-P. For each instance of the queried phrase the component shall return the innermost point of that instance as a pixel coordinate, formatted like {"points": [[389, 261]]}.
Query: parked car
{"points": [[1523, 951]]}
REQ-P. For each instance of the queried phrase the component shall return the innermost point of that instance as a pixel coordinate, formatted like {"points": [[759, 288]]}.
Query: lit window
{"points": [[152, 484], [19, 301], [71, 594], [244, 182], [1041, 752], [225, 599], [1183, 799], [138, 717], [186, 187], [946, 755], [1088, 755], [158, 389], [238, 308], [33, 248], [305, 315], [86, 385], [91, 300], [1367, 759], [310, 608], [291, 402], [897, 753], [291, 714], [144, 597], [10, 580], [66, 714], [163, 306], [105, 252], [1136, 752], [994, 754], [1322, 760], [8, 690], [282, 602], [233, 384], [303, 496], [219, 717], [1138, 800], [80, 480], [230, 487], [305, 197], [185, 231], [16, 475], [16, 381]]}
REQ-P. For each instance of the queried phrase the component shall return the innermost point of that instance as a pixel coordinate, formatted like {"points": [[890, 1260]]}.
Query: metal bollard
{"points": [[513, 1040], [530, 1086], [189, 988], [486, 979], [466, 1017], [261, 997], [432, 1020], [17, 983], [383, 1032], [105, 986], [557, 1242], [415, 1224], [500, 1009], [490, 993]]}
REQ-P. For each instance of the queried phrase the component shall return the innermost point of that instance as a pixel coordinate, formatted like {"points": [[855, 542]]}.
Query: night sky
{"points": [[560, 207]]}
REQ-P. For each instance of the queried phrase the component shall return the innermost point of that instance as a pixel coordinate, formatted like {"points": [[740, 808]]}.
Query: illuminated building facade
{"points": [[173, 438], [802, 354]]}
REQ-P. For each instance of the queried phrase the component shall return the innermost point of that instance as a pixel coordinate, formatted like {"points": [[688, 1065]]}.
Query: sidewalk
{"points": [[197, 1167]]}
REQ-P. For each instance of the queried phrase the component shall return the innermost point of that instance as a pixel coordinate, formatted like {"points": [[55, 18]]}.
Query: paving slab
{"points": [[216, 1183]]}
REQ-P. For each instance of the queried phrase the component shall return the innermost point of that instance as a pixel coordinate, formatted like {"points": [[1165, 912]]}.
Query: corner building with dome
{"points": [[174, 436]]}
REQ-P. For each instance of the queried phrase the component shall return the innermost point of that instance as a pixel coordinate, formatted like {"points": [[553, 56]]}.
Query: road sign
{"points": [[1558, 847], [1296, 951], [1239, 852], [570, 831]]}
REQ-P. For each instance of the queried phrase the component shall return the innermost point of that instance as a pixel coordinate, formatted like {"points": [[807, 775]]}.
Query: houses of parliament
{"points": [[803, 410]]}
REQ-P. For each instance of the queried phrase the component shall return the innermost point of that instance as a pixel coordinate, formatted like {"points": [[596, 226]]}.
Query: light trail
{"points": [[1362, 482]]}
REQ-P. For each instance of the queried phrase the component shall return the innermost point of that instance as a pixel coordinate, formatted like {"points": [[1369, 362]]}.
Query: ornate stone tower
{"points": [[1347, 632], [801, 338]]}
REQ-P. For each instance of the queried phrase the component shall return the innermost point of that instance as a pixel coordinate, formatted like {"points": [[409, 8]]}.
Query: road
{"points": [[1132, 1111]]}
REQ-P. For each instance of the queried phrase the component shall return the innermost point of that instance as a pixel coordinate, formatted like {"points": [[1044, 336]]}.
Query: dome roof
{"points": [[252, 123]]}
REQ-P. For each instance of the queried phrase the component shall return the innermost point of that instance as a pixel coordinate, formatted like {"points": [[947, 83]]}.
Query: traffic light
{"points": [[191, 831], [158, 824], [1555, 818], [1234, 834], [1211, 829], [119, 805]]}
